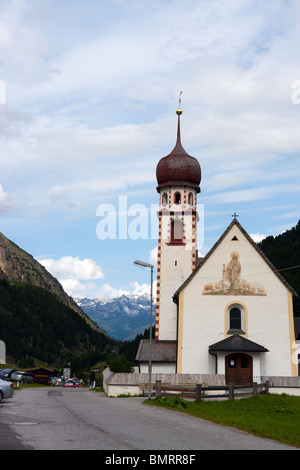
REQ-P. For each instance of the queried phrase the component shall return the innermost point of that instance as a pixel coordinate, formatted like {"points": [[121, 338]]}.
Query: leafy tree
{"points": [[119, 363], [284, 252]]}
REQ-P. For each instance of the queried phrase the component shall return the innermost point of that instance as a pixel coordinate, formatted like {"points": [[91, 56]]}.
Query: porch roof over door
{"points": [[236, 343]]}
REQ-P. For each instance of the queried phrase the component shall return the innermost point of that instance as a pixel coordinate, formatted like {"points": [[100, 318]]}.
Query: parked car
{"points": [[6, 373], [54, 381], [20, 376], [6, 389], [72, 383]]}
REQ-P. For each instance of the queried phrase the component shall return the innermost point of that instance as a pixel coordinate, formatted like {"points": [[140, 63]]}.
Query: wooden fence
{"points": [[200, 391]]}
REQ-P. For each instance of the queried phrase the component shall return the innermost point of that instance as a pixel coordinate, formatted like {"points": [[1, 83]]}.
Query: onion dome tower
{"points": [[178, 167], [178, 178]]}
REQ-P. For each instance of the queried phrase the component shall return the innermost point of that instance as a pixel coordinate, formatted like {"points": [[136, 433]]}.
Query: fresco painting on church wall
{"points": [[232, 282]]}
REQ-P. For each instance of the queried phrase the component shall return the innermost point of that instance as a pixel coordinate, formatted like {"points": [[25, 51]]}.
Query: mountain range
{"points": [[123, 318]]}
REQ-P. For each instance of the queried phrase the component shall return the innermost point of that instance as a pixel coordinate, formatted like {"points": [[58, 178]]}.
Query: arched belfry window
{"points": [[190, 199], [176, 231], [164, 199], [235, 319], [177, 197]]}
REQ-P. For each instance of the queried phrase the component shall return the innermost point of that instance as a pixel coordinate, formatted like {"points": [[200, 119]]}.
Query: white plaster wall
{"points": [[268, 321], [171, 279], [288, 390], [163, 368], [117, 390], [176, 264]]}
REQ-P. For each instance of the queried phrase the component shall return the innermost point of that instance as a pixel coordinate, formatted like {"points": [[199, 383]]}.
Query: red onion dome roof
{"points": [[178, 168]]}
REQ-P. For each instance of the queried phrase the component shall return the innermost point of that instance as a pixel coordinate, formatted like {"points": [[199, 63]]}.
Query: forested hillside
{"points": [[284, 253], [16, 265], [39, 320], [34, 323]]}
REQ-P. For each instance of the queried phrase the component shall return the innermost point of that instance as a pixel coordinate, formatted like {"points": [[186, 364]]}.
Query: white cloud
{"points": [[153, 256], [74, 288], [91, 92], [140, 289], [7, 201], [143, 289], [106, 291], [250, 194], [257, 237], [77, 276], [23, 46], [69, 267]]}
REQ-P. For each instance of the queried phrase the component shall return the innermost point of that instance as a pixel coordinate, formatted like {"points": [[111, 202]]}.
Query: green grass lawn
{"points": [[270, 416]]}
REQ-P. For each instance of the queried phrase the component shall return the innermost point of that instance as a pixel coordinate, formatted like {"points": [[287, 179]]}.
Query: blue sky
{"points": [[88, 95]]}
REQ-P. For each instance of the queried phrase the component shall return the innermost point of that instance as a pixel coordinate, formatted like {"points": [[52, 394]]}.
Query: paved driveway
{"points": [[62, 419]]}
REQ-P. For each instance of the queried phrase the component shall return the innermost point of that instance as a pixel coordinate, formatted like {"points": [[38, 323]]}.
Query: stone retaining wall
{"points": [[116, 384]]}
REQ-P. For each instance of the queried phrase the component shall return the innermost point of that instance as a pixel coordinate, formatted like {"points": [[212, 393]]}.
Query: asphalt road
{"points": [[80, 419]]}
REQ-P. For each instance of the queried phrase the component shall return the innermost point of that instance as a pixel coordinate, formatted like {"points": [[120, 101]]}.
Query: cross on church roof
{"points": [[179, 103], [235, 215]]}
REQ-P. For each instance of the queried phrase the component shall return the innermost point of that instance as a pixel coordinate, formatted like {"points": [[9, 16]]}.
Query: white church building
{"points": [[228, 313]]}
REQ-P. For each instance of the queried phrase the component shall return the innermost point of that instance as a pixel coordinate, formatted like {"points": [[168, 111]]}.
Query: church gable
{"points": [[236, 266], [235, 276]]}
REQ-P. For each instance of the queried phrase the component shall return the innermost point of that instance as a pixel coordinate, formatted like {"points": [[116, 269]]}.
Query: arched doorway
{"points": [[238, 369]]}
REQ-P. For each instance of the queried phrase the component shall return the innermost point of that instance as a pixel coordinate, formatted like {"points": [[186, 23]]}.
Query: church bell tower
{"points": [[178, 178]]}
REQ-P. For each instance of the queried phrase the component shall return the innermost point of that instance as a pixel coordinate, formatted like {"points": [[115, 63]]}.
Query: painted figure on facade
{"points": [[232, 283], [232, 272]]}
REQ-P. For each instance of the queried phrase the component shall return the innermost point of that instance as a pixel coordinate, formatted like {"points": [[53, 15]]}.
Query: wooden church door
{"points": [[238, 369]]}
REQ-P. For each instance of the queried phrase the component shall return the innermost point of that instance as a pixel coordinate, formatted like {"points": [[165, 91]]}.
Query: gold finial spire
{"points": [[179, 111]]}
